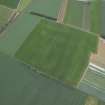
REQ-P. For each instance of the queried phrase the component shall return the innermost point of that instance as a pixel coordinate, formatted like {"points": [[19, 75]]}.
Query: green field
{"points": [[96, 16], [5, 13], [21, 85], [16, 33], [74, 13], [10, 3], [94, 83], [52, 48]]}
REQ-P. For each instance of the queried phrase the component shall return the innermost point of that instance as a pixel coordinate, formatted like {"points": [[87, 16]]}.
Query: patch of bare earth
{"points": [[99, 58]]}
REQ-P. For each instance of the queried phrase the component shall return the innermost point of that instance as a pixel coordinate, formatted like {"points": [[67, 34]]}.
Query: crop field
{"points": [[19, 84], [17, 32], [94, 83], [43, 62], [52, 48], [96, 16], [46, 7], [10, 3], [5, 13], [74, 14]]}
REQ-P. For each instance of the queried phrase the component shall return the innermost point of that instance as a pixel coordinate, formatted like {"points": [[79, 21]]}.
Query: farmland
{"points": [[74, 13], [10, 3], [17, 32], [52, 49], [19, 84], [47, 51], [96, 16]]}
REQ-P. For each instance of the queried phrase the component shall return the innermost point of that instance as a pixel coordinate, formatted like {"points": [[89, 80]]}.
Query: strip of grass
{"points": [[96, 16], [58, 50], [74, 13]]}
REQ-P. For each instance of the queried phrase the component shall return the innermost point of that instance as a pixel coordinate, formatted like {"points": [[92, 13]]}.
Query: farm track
{"points": [[62, 11]]}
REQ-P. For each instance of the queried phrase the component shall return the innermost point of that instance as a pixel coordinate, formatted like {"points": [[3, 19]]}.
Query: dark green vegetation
{"points": [[22, 85], [58, 50], [10, 3], [16, 33], [74, 13]]}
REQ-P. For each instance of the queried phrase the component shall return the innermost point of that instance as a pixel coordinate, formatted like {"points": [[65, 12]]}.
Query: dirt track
{"points": [[62, 11]]}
